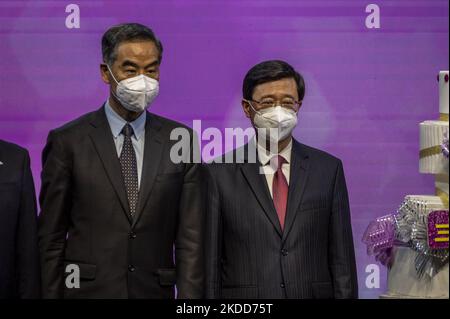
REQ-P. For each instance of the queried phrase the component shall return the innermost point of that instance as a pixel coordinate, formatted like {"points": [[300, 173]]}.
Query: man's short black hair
{"points": [[126, 32], [269, 71]]}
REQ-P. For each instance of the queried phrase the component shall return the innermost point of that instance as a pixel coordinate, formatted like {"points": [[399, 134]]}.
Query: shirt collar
{"points": [[116, 122], [264, 158]]}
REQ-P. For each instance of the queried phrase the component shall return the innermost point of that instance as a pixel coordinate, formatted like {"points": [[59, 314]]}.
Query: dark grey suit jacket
{"points": [[19, 259], [85, 220], [247, 253]]}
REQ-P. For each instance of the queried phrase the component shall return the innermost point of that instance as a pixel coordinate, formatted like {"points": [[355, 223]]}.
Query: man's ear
{"points": [[104, 73], [247, 109]]}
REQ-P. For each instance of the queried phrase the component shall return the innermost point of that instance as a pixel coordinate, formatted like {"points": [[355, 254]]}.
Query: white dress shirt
{"points": [[269, 166], [116, 123]]}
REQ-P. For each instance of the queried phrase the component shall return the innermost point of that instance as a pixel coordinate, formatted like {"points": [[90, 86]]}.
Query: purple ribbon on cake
{"points": [[380, 239]]}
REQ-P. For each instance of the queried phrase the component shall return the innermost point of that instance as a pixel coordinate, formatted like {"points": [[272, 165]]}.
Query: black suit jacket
{"points": [[19, 260], [247, 253], [84, 219]]}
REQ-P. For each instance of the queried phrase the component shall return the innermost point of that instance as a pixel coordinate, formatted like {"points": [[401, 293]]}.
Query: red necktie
{"points": [[280, 191]]}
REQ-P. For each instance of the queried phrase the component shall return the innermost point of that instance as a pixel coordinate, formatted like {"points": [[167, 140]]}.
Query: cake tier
{"points": [[433, 202], [403, 281], [431, 137]]}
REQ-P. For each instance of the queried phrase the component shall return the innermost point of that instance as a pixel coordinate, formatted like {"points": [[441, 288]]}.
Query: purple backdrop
{"points": [[367, 89]]}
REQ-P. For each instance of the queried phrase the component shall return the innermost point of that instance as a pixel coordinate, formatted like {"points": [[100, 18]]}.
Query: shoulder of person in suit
{"points": [[315, 153], [10, 150]]}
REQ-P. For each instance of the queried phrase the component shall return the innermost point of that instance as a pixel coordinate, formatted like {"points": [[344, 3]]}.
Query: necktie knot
{"points": [[278, 162], [127, 130]]}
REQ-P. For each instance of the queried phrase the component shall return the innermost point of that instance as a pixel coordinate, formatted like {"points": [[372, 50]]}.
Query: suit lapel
{"points": [[258, 184], [297, 184], [153, 150], [103, 141]]}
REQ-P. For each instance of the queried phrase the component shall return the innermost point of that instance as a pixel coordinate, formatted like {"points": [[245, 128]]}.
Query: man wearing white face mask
{"points": [[114, 205], [278, 227]]}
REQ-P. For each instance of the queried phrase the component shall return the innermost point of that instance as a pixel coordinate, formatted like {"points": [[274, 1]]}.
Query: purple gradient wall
{"points": [[367, 89]]}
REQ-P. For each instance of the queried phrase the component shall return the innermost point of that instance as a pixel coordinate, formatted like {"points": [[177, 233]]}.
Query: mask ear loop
{"points": [[112, 91], [110, 72], [250, 103], [257, 112]]}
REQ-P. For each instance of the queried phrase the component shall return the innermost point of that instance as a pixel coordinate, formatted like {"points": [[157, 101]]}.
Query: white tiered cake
{"points": [[412, 275]]}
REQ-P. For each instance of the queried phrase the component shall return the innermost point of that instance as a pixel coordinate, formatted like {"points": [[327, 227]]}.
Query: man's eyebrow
{"points": [[130, 63], [154, 63], [267, 96], [273, 96], [289, 96], [133, 64]]}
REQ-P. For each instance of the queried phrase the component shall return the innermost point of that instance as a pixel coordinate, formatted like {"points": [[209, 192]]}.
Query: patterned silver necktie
{"points": [[129, 169]]}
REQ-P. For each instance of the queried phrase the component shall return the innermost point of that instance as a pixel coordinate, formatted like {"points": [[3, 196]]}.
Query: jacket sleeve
{"points": [[341, 250], [53, 220], [27, 256], [213, 239], [189, 259]]}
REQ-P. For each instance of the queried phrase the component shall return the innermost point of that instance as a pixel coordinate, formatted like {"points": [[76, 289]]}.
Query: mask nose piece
{"points": [[279, 113]]}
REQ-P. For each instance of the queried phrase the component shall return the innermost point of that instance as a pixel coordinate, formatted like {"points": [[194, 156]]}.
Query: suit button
{"points": [[132, 235], [131, 268], [282, 285], [284, 252]]}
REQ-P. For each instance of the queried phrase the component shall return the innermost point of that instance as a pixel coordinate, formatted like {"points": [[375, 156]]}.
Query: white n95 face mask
{"points": [[136, 93], [276, 117]]}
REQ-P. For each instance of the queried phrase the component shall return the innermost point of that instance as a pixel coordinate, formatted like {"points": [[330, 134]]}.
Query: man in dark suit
{"points": [[278, 222], [114, 204], [19, 259]]}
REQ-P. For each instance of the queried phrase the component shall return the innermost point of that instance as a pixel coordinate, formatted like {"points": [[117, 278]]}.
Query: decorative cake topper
{"points": [[438, 229], [414, 226]]}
